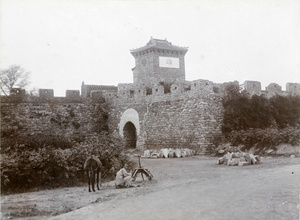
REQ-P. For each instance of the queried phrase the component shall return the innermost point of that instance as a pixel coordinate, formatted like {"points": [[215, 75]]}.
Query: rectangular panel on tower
{"points": [[169, 62]]}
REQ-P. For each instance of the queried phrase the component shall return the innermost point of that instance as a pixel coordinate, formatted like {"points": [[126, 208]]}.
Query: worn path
{"points": [[196, 188]]}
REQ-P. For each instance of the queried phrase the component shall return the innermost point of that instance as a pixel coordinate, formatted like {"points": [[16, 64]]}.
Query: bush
{"points": [[258, 121], [242, 112], [38, 141], [24, 167], [286, 110], [265, 138]]}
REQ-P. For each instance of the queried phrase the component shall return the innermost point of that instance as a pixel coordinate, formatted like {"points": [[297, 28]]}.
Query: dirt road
{"points": [[186, 188]]}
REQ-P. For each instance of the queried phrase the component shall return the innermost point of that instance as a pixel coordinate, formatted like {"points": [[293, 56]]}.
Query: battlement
{"points": [[86, 90], [254, 88], [171, 91], [293, 88], [17, 92], [136, 90], [46, 93], [201, 87], [71, 95]]}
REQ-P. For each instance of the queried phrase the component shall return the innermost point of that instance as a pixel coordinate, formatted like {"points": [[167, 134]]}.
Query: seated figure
{"points": [[124, 179]]}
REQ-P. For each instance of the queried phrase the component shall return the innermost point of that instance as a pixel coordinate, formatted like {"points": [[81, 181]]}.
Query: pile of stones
{"points": [[169, 153], [239, 158]]}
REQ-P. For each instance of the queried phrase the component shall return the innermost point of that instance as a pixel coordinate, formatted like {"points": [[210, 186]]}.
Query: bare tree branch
{"points": [[14, 76]]}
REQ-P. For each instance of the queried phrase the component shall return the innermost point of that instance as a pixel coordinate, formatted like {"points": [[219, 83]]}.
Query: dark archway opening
{"points": [[129, 133]]}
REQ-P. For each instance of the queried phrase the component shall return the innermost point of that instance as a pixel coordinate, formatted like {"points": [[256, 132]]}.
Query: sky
{"points": [[63, 43]]}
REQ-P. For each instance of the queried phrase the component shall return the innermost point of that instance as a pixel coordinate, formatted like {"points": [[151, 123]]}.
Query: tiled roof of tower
{"points": [[159, 44]]}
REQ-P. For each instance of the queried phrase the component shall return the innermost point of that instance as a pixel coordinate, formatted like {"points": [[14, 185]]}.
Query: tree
{"points": [[286, 110], [14, 76]]}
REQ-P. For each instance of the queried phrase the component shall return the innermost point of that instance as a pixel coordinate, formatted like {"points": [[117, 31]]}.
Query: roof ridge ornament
{"points": [[162, 44]]}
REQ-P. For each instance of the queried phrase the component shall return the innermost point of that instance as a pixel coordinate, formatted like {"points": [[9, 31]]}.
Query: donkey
{"points": [[92, 165]]}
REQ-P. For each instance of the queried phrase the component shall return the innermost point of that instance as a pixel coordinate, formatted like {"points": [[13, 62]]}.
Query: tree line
{"points": [[257, 120]]}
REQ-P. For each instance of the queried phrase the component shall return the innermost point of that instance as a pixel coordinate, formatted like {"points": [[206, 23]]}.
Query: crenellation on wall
{"points": [[131, 90], [97, 96], [293, 88], [253, 87], [202, 85], [166, 90], [273, 88], [177, 88], [221, 87], [17, 92], [46, 93], [158, 90], [73, 95], [125, 90], [87, 89]]}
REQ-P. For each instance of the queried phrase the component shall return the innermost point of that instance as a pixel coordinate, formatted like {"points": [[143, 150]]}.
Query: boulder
{"points": [[165, 152], [183, 153], [221, 160], [146, 154], [188, 152], [243, 163], [178, 152], [171, 153], [233, 162]]}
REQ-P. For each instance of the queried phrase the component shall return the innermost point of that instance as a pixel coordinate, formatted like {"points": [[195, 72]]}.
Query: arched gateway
{"points": [[129, 127]]}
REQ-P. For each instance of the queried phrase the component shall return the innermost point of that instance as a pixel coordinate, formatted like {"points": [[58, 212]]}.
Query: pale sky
{"points": [[64, 42]]}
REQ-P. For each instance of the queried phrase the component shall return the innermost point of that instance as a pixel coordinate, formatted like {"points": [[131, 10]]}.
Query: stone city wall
{"points": [[55, 117], [192, 119], [190, 122], [185, 115]]}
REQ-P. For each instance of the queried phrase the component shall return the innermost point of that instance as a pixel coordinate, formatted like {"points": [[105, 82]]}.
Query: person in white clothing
{"points": [[123, 178]]}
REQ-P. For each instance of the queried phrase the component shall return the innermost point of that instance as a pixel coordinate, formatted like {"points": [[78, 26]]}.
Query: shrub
{"points": [[101, 118], [242, 112], [23, 168], [37, 141], [258, 121], [265, 138], [286, 110]]}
